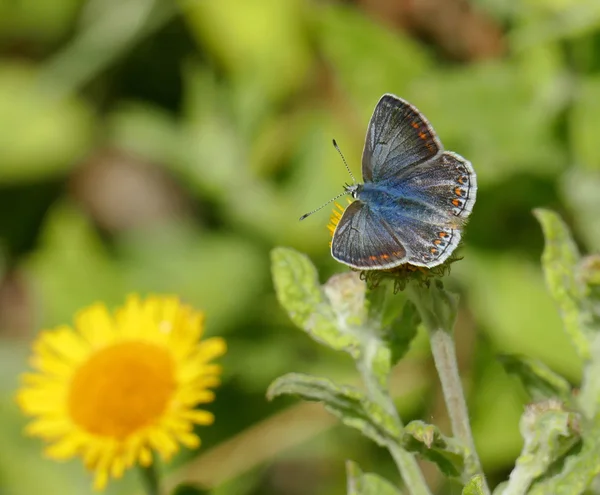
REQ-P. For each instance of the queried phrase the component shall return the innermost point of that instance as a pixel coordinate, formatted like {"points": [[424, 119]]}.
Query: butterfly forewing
{"points": [[398, 136]]}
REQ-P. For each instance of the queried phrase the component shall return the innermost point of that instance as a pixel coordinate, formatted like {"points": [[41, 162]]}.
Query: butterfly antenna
{"points": [[323, 206], [335, 145]]}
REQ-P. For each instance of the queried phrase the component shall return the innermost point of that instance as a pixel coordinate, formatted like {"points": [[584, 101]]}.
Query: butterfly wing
{"points": [[363, 240], [434, 199], [421, 226], [398, 136]]}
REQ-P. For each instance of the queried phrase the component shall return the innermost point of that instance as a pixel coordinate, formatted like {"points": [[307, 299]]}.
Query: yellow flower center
{"points": [[121, 389]]}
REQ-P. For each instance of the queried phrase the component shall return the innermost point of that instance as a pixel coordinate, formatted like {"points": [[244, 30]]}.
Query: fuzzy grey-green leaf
{"points": [[549, 432], [359, 483], [358, 315], [578, 471], [299, 292], [427, 441], [347, 403], [589, 395], [540, 381], [559, 260], [474, 486]]}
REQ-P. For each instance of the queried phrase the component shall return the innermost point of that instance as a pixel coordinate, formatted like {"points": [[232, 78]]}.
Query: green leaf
{"points": [[589, 395], [336, 315], [474, 486], [584, 117], [503, 113], [353, 44], [427, 441], [246, 39], [360, 483], [537, 378], [396, 316], [559, 261], [436, 306], [298, 291], [42, 136], [38, 24], [549, 432], [589, 273], [578, 471], [584, 204], [347, 403]]}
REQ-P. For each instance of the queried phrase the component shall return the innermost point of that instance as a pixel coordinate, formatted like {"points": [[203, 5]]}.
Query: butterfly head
{"points": [[353, 189]]}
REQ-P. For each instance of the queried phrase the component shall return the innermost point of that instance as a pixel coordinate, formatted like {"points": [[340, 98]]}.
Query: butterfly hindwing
{"points": [[434, 199], [417, 218], [445, 186], [398, 136]]}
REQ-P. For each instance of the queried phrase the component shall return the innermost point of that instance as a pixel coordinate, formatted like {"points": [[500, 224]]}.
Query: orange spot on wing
{"points": [[415, 124], [458, 191], [456, 202]]}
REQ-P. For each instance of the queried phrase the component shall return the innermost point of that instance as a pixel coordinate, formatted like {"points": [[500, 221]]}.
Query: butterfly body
{"points": [[415, 198]]}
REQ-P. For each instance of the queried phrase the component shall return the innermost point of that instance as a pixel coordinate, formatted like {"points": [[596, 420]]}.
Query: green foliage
{"points": [[548, 431], [540, 381], [474, 486], [340, 315], [45, 135], [400, 332], [427, 441], [548, 462], [560, 261], [560, 452], [298, 291], [229, 107], [360, 483], [437, 307], [347, 403]]}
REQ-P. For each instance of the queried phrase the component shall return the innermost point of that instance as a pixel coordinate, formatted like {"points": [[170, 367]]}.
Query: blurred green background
{"points": [[152, 146]]}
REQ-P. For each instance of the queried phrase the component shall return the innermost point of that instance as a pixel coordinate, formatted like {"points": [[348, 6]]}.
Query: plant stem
{"points": [[444, 356], [409, 469], [438, 313], [150, 479], [405, 462]]}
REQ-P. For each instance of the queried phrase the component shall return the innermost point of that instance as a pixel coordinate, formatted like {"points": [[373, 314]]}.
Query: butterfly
{"points": [[415, 197]]}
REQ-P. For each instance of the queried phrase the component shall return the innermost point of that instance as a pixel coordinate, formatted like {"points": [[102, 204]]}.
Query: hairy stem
{"points": [[437, 309], [444, 356], [405, 462], [409, 470]]}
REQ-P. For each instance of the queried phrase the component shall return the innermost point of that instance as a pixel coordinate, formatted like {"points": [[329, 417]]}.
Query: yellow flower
{"points": [[336, 215], [115, 388]]}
